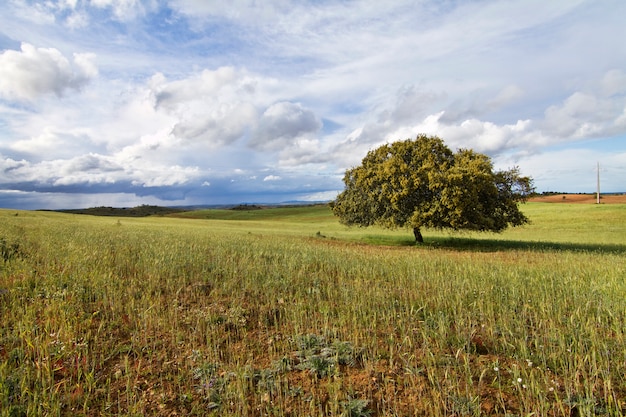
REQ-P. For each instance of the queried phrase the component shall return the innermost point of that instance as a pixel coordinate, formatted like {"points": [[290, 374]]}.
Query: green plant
{"points": [[210, 384], [320, 357], [355, 407]]}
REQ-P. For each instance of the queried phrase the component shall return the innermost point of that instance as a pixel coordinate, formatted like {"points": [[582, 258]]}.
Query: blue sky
{"points": [[181, 102]]}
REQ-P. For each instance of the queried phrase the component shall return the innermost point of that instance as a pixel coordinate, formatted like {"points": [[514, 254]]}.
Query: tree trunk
{"points": [[418, 235]]}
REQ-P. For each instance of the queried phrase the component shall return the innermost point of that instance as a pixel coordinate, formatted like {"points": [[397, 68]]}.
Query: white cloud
{"points": [[94, 169], [581, 115], [205, 85], [165, 176], [186, 92], [585, 115], [272, 178], [304, 152], [221, 125], [506, 96], [70, 4], [32, 72], [77, 20], [123, 9], [54, 142], [106, 119], [613, 83], [321, 196], [281, 124], [38, 13], [213, 107], [482, 136]]}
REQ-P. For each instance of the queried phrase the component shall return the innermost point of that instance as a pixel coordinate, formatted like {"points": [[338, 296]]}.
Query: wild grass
{"points": [[288, 313]]}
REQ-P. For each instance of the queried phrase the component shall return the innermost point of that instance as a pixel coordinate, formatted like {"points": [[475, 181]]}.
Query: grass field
{"points": [[284, 312]]}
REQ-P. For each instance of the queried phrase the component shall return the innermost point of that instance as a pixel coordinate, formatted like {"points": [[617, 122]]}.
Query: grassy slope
{"points": [[569, 225], [259, 314]]}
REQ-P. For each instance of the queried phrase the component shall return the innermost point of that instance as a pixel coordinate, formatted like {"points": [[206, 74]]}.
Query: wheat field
{"points": [[284, 312]]}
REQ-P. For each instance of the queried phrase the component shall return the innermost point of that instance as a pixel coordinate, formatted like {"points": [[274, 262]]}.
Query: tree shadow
{"points": [[496, 245]]}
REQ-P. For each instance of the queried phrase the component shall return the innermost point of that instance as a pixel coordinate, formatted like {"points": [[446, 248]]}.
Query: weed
{"points": [[322, 358], [464, 406], [210, 384], [355, 407]]}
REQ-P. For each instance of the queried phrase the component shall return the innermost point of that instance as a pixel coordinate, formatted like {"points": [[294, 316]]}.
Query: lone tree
{"points": [[422, 183]]}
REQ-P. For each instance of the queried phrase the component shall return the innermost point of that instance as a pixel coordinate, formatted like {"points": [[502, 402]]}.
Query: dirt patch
{"points": [[581, 198]]}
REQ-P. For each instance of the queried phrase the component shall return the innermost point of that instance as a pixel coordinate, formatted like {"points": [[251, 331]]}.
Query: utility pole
{"points": [[598, 184]]}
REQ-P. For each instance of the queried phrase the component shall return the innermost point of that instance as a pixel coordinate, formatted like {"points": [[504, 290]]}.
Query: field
{"points": [[284, 312], [582, 198]]}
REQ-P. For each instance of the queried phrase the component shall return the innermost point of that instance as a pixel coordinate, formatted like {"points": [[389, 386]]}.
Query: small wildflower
{"points": [[496, 369], [519, 380]]}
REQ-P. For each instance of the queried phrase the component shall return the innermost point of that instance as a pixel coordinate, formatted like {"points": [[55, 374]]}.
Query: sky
{"points": [[196, 102]]}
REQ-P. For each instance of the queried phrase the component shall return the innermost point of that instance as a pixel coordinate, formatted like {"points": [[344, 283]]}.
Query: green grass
{"points": [[566, 226], [284, 312]]}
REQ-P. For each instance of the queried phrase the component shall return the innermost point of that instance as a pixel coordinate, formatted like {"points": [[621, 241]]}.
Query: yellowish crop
{"points": [[288, 313]]}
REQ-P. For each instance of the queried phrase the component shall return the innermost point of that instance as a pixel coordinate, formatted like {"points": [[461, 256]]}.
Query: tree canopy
{"points": [[421, 183]]}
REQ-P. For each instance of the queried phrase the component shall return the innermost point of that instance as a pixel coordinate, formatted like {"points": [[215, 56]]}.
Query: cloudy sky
{"points": [[180, 102]]}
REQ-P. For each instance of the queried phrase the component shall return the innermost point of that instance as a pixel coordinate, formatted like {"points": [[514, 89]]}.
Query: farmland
{"points": [[284, 312]]}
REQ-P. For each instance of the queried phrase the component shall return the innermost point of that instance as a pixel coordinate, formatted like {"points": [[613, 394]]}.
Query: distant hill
{"points": [[139, 211], [147, 210]]}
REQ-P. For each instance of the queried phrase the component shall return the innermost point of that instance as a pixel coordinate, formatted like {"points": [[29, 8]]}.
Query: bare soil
{"points": [[581, 198]]}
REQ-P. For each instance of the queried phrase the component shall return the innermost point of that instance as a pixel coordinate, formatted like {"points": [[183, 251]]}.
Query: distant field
{"points": [[285, 312], [582, 198], [567, 224]]}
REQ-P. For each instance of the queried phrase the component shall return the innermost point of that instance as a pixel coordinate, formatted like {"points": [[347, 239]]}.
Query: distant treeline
{"points": [[147, 210], [549, 193], [139, 211]]}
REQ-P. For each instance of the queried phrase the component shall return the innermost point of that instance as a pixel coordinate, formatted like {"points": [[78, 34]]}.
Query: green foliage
{"points": [[355, 407], [422, 183], [210, 384], [321, 358]]}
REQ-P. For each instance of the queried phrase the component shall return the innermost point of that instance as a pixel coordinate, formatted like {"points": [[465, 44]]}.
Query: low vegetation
{"points": [[139, 211], [284, 312]]}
